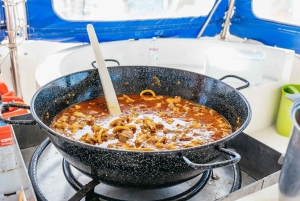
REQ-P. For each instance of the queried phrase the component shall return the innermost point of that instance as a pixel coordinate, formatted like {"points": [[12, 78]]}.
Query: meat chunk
{"points": [[159, 126]]}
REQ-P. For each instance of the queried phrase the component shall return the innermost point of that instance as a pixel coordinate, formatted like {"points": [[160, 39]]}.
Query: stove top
{"points": [[259, 169]]}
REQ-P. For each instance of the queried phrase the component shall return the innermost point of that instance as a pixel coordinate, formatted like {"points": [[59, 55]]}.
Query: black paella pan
{"points": [[143, 170]]}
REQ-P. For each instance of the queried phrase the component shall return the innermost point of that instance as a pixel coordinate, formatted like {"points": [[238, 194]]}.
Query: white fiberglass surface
{"points": [[186, 54], [182, 54]]}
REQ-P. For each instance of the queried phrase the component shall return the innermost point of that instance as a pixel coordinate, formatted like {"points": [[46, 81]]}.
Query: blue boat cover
{"points": [[246, 25], [2, 24], [44, 24]]}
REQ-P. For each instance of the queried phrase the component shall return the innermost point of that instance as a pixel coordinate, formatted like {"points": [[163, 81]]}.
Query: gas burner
{"points": [[88, 189], [90, 193]]}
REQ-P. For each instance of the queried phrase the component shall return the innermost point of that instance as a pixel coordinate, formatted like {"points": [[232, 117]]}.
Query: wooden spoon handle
{"points": [[109, 91]]}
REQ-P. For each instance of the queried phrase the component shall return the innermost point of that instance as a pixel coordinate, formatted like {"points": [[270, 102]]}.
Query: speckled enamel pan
{"points": [[133, 169]]}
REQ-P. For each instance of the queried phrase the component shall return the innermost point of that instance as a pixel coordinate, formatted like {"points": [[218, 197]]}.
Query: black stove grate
{"points": [[95, 196], [87, 190]]}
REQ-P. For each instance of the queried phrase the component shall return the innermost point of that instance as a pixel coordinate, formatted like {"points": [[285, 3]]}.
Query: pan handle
{"points": [[237, 77], [16, 122], [113, 60], [234, 159]]}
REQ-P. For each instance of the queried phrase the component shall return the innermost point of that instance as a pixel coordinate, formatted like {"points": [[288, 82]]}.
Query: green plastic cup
{"points": [[284, 123]]}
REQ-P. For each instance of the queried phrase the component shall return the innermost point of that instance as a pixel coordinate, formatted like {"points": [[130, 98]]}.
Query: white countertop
{"points": [[271, 138], [268, 194]]}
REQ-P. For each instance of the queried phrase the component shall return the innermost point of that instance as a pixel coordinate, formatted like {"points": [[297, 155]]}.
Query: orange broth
{"points": [[147, 123]]}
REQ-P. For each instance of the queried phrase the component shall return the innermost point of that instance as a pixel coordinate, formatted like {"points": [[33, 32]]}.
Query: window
{"points": [[284, 11], [121, 10]]}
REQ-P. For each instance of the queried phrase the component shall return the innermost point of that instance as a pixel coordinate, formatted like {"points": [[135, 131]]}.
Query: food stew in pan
{"points": [[148, 122]]}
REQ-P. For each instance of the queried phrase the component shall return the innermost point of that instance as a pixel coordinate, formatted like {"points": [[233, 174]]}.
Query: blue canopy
{"points": [[246, 25], [46, 25], [2, 25]]}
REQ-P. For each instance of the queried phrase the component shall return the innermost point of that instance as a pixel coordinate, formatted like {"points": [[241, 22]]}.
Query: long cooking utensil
{"points": [[109, 91]]}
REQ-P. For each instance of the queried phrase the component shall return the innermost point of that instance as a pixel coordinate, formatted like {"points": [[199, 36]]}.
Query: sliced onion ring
{"points": [[149, 91]]}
